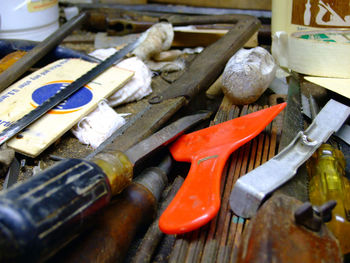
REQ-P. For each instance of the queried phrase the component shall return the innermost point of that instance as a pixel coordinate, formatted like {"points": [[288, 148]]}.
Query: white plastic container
{"points": [[312, 36], [28, 19]]}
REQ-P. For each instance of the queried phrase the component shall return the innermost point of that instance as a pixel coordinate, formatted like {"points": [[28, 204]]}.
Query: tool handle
{"points": [[198, 199], [117, 224], [47, 211]]}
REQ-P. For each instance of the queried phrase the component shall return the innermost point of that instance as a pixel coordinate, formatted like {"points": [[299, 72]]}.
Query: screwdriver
{"points": [[43, 214], [327, 181]]}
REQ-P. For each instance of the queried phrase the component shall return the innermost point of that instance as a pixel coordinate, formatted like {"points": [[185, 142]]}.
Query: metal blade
{"points": [[65, 92], [293, 123], [12, 174], [163, 137], [293, 119], [118, 132]]}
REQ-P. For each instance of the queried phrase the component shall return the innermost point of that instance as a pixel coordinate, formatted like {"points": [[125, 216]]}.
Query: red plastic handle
{"points": [[198, 200], [192, 206]]}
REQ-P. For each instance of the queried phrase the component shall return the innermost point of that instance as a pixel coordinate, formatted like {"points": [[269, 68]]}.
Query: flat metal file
{"points": [[251, 189], [293, 123]]}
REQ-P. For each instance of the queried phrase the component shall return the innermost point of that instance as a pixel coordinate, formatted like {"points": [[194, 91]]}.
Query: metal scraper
{"points": [[251, 189]]}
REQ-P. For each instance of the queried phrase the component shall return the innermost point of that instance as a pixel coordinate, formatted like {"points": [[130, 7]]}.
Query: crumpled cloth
{"points": [[97, 126], [100, 124], [138, 87]]}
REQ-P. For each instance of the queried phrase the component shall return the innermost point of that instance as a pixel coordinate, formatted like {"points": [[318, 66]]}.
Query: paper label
{"points": [[328, 36], [39, 5], [321, 13]]}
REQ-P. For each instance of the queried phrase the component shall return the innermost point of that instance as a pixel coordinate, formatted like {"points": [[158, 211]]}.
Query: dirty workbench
{"points": [[217, 241]]}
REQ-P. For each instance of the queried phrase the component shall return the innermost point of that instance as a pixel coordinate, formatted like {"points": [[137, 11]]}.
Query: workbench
{"points": [[217, 241]]}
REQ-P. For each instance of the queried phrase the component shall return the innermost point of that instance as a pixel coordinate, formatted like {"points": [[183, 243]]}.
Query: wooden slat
{"points": [[204, 38]]}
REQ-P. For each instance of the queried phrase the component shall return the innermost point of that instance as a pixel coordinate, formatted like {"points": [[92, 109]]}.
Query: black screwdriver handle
{"points": [[43, 214]]}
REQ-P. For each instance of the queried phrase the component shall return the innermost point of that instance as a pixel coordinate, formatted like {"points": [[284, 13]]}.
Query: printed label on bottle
{"points": [[321, 13], [39, 5], [332, 36]]}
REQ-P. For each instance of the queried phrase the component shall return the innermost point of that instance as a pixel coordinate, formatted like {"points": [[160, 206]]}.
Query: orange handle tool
{"points": [[198, 200]]}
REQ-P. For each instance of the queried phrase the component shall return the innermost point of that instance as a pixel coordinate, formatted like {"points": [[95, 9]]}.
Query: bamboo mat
{"points": [[219, 240]]}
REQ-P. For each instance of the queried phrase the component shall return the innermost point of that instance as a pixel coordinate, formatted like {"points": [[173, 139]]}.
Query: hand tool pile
{"points": [[181, 179]]}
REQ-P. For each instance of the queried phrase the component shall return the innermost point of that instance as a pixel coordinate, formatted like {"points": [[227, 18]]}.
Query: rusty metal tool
{"points": [[202, 71], [116, 225], [279, 233], [293, 123], [154, 238], [251, 189], [114, 24], [175, 9], [39, 51], [42, 214]]}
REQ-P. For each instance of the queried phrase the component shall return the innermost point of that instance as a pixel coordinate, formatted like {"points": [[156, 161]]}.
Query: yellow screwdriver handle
{"points": [[326, 169]]}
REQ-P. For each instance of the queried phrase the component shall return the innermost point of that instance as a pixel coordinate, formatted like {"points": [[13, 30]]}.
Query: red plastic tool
{"points": [[198, 200]]}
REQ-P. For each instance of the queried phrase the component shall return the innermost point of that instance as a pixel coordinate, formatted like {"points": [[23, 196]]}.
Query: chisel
{"points": [[44, 213]]}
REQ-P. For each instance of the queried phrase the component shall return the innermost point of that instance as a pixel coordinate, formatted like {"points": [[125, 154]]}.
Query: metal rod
{"points": [[16, 70], [180, 9]]}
